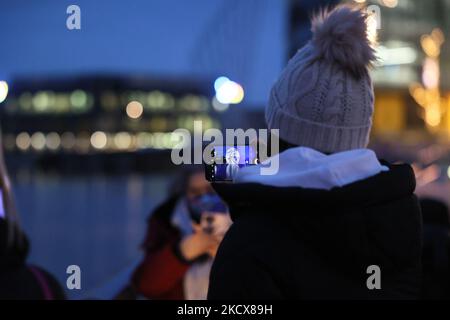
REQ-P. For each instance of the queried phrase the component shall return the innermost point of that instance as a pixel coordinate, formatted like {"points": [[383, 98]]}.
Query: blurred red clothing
{"points": [[161, 273]]}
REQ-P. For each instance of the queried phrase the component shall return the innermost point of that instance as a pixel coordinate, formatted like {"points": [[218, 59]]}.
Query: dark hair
{"points": [[14, 236], [14, 244], [180, 182]]}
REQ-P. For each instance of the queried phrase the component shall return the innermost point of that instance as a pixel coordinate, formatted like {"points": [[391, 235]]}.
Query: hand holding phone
{"points": [[216, 224], [198, 243], [226, 161]]}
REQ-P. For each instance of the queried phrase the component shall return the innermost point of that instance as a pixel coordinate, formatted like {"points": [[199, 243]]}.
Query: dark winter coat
{"points": [[295, 243], [18, 280]]}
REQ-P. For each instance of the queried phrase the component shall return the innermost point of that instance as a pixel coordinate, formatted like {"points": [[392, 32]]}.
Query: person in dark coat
{"points": [[18, 279], [436, 250], [333, 222]]}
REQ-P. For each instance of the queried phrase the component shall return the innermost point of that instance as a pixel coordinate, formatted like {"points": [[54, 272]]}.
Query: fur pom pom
{"points": [[340, 36]]}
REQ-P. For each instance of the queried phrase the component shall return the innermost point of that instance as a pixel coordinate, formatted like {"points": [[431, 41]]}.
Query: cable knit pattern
{"points": [[323, 103]]}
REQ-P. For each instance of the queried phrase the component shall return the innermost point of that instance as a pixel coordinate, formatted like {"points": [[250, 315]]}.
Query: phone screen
{"points": [[2, 207], [228, 160]]}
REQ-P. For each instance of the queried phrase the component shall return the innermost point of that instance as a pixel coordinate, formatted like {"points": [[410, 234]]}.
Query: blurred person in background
{"points": [[182, 239], [312, 230], [18, 280], [436, 250]]}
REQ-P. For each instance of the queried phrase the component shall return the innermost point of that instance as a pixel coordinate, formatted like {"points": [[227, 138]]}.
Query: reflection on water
{"points": [[95, 222]]}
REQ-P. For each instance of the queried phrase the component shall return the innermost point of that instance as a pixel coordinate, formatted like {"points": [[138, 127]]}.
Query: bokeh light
{"points": [[3, 91], [122, 140], [220, 82], [228, 92], [134, 109], [78, 99], [23, 141], [38, 141], [372, 28], [53, 141], [218, 106], [68, 140], [99, 140], [389, 3]]}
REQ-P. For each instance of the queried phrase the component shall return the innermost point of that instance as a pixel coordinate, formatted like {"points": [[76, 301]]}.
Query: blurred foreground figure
{"points": [[333, 213], [182, 239], [18, 280], [436, 250]]}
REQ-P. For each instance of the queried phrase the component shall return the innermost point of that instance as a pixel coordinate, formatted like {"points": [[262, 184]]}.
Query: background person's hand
{"points": [[213, 249], [198, 243]]}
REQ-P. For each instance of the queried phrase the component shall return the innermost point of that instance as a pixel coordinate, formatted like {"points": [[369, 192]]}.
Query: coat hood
{"points": [[308, 168], [354, 223]]}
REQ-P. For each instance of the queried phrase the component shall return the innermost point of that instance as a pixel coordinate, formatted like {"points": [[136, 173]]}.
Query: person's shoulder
{"points": [[55, 287], [253, 234]]}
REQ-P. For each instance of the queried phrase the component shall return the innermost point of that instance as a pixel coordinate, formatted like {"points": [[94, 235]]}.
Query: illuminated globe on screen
{"points": [[232, 156]]}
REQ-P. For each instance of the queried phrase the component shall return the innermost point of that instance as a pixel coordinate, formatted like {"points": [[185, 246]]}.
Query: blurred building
{"points": [[412, 85], [412, 76], [99, 115], [94, 116], [65, 102], [106, 121], [404, 31]]}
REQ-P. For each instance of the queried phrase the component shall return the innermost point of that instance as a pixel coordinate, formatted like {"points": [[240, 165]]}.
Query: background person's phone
{"points": [[233, 158], [2, 207], [215, 223]]}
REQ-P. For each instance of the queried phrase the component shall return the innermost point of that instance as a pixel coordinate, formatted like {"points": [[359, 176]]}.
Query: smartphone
{"points": [[226, 161], [215, 223], [2, 207]]}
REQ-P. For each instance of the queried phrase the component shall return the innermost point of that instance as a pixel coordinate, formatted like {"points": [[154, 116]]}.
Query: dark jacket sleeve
{"points": [[236, 276], [163, 268]]}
